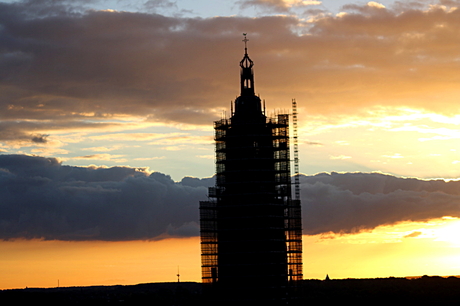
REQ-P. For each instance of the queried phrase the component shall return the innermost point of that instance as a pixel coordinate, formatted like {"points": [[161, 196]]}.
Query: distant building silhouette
{"points": [[251, 236]]}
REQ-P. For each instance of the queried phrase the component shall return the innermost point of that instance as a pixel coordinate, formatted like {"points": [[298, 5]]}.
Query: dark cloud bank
{"points": [[60, 63], [40, 198], [43, 199]]}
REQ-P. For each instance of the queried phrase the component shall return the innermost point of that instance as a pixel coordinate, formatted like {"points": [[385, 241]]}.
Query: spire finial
{"points": [[247, 77], [245, 43]]}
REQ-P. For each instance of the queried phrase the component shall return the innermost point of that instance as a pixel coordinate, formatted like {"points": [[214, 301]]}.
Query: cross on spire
{"points": [[245, 43]]}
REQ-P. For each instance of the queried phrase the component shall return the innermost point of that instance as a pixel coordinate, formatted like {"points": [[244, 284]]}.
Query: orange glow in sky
{"points": [[406, 249], [42, 263]]}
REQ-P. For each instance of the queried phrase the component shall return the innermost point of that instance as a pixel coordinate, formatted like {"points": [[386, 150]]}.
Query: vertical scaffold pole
{"points": [[296, 151]]}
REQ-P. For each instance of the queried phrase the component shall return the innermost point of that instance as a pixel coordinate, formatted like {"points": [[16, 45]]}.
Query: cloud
{"points": [[44, 199], [314, 143], [206, 156], [184, 140], [375, 4], [102, 149], [340, 157], [104, 156], [134, 136], [276, 5], [413, 234], [369, 8], [150, 158], [41, 198], [353, 202], [15, 131], [155, 4], [61, 64], [40, 138]]}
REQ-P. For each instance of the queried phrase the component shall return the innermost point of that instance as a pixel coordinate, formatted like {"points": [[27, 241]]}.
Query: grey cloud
{"points": [[93, 61], [40, 138], [407, 5], [59, 61], [449, 3], [277, 6], [269, 5], [353, 202], [16, 130], [364, 9], [314, 143], [43, 199], [155, 4]]}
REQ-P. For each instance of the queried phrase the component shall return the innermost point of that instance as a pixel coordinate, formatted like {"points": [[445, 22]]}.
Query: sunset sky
{"points": [[106, 132]]}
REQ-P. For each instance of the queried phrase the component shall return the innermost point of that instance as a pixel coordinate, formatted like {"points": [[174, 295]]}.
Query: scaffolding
{"points": [[295, 150], [273, 182], [209, 242]]}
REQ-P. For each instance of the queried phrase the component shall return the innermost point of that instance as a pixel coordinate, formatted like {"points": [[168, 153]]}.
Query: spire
{"points": [[247, 76], [247, 105]]}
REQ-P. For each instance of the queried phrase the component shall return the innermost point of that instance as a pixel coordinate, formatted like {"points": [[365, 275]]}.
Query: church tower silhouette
{"points": [[251, 236]]}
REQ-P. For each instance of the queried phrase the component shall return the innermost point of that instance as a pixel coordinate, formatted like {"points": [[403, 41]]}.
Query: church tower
{"points": [[251, 236]]}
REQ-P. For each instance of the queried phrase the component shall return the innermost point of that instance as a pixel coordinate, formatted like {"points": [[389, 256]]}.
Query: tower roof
{"points": [[246, 62], [247, 105], [247, 75]]}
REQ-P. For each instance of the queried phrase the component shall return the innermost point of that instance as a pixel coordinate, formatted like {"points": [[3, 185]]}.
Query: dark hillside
{"points": [[425, 290]]}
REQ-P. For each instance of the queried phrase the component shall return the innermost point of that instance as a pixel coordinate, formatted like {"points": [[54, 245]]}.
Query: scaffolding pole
{"points": [[296, 151]]}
